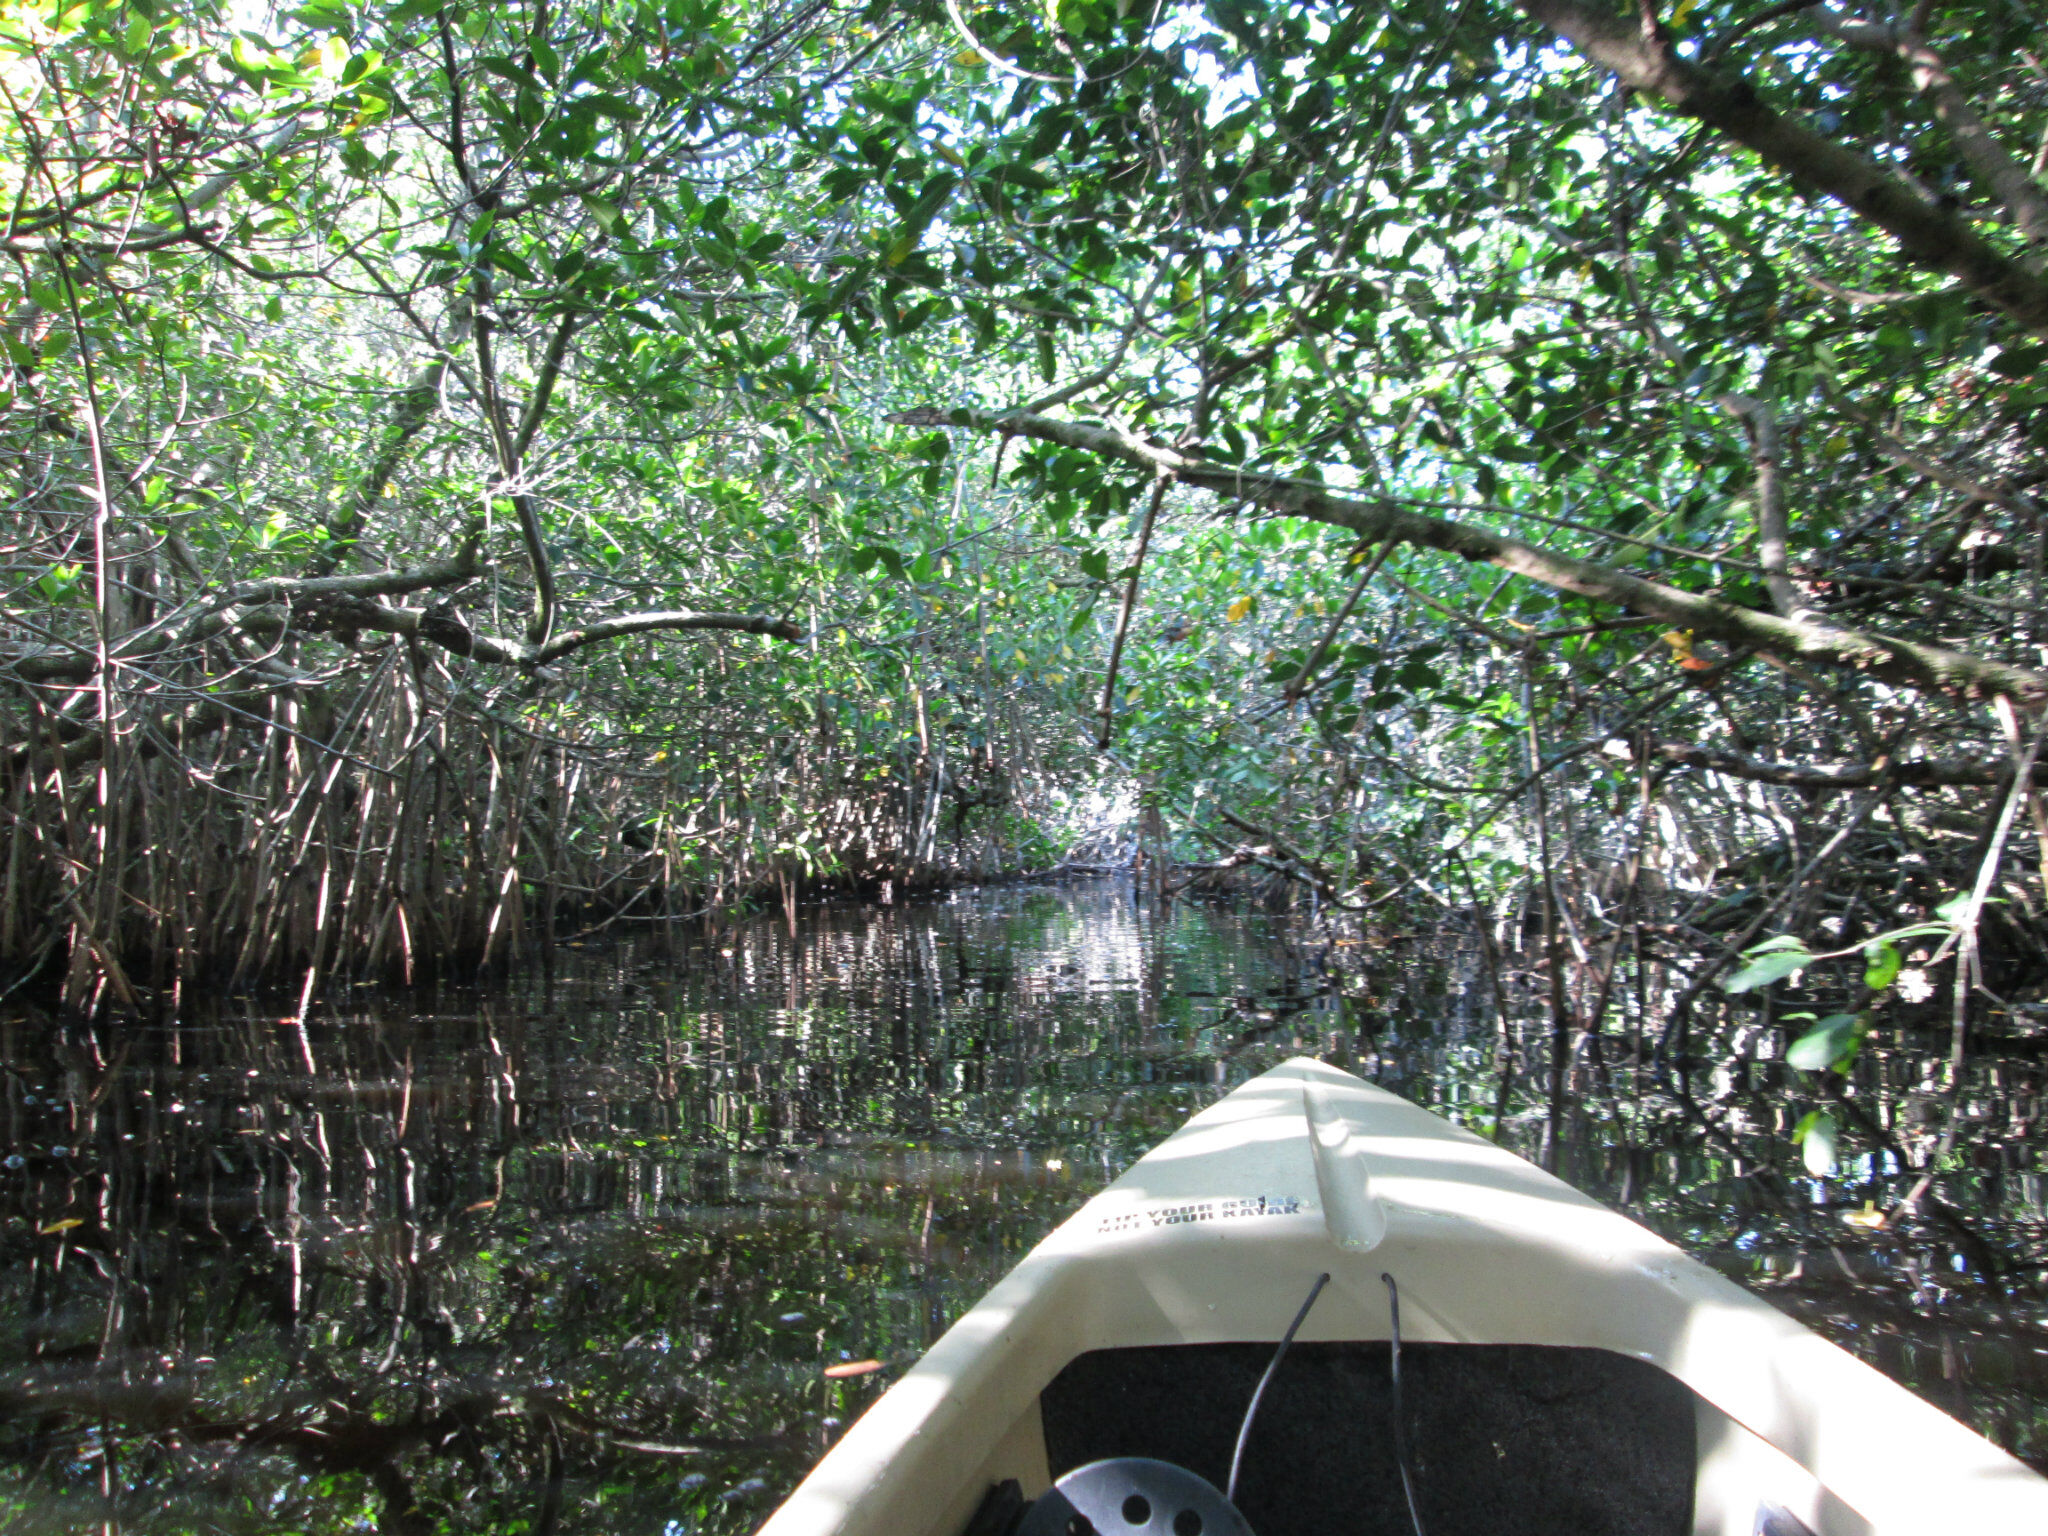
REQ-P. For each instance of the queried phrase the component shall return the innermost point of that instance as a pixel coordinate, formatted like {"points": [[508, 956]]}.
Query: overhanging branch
{"points": [[1929, 236], [1910, 663], [441, 625], [1921, 774]]}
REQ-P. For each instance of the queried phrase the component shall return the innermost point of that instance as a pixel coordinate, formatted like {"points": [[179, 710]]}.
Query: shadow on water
{"points": [[624, 1254]]}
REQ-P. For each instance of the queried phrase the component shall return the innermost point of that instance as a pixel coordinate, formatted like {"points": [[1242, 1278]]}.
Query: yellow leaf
{"points": [[1238, 609], [1684, 10], [63, 1226]]}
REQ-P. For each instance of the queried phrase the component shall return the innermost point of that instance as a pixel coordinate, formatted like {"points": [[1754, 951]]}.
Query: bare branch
{"points": [[1924, 774], [441, 625]]}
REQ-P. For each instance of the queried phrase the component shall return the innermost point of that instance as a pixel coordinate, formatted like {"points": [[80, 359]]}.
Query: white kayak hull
{"points": [[1216, 1236]]}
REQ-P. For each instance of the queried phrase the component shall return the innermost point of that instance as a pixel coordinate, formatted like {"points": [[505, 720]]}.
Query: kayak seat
{"points": [[1506, 1439]]}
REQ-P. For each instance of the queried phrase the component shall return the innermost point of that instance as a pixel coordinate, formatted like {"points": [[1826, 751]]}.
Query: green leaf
{"points": [[1882, 965], [1023, 176], [1830, 1045], [1954, 910], [1769, 962], [615, 107], [1816, 1134], [505, 69], [1786, 941], [917, 219]]}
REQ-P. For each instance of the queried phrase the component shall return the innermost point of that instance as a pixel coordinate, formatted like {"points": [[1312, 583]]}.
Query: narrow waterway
{"points": [[624, 1252]]}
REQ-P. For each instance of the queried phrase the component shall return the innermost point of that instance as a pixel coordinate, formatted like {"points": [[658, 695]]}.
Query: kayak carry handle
{"points": [[1352, 1213]]}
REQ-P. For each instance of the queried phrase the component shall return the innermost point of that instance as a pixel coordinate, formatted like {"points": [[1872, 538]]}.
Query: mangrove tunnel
{"points": [[671, 669]]}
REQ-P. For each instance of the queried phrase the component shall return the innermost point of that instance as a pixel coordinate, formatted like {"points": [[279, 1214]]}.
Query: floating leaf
{"points": [[1882, 965], [62, 1226]]}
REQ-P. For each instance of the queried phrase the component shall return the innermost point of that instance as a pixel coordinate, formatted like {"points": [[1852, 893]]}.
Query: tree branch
{"points": [[1908, 662], [441, 625], [1924, 774], [2002, 175], [1929, 236], [410, 411]]}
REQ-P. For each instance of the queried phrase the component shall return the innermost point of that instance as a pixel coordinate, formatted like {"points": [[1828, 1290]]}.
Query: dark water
{"points": [[579, 1258]]}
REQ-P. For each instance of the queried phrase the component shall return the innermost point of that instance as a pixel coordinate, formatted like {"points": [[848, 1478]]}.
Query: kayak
{"points": [[1441, 1339]]}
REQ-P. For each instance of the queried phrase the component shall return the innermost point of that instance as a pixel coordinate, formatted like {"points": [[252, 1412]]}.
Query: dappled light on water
{"points": [[626, 1253]]}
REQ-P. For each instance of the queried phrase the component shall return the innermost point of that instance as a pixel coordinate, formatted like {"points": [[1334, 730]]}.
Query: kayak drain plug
{"points": [[1138, 1496], [1133, 1496], [1130, 1495]]}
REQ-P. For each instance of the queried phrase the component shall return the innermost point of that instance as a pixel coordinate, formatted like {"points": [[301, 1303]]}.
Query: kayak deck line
{"points": [[1164, 1296]]}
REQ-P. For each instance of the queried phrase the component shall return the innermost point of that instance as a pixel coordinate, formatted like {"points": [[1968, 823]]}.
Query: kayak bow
{"points": [[1566, 1369]]}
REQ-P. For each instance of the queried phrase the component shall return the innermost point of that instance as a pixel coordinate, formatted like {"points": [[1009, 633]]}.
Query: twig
{"points": [[1299, 686], [1968, 972], [1107, 709]]}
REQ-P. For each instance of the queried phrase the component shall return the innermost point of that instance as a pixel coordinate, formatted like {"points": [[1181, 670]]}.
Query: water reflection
{"points": [[624, 1254]]}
